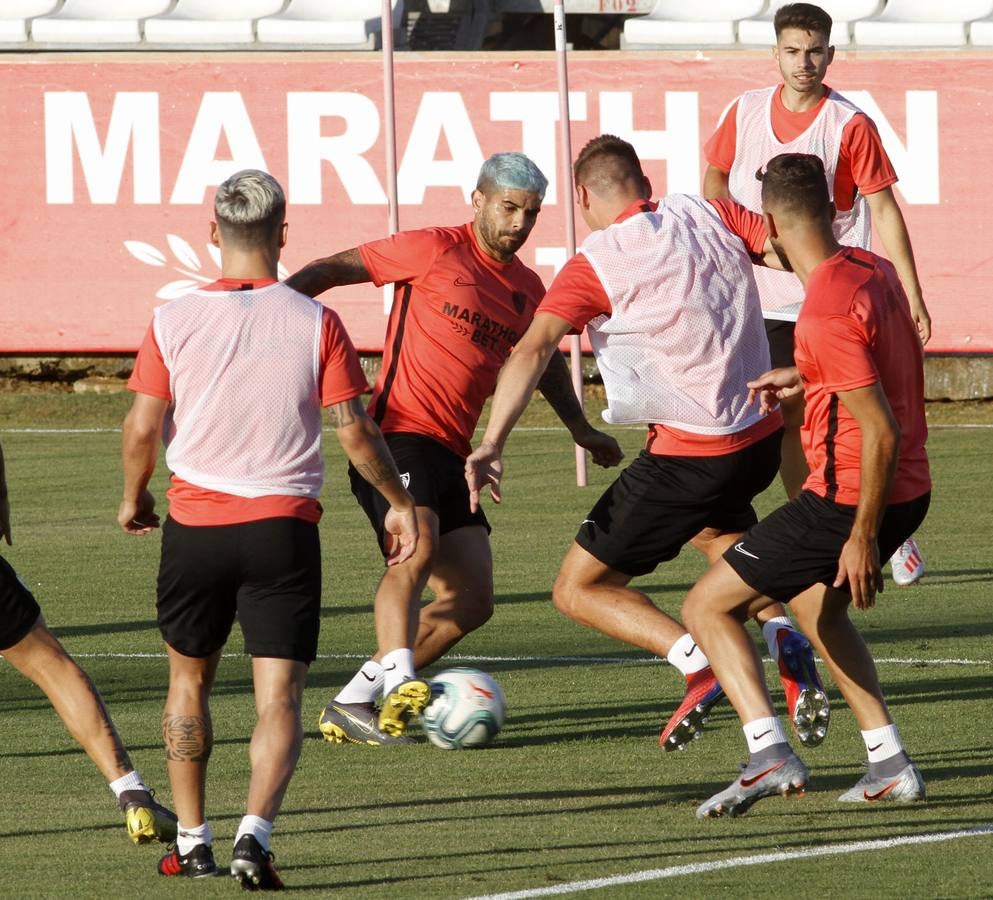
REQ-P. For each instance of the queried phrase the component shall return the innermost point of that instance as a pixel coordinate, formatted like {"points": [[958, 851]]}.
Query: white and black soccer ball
{"points": [[466, 711]]}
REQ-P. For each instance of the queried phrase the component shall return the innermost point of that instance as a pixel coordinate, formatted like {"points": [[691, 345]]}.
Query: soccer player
{"points": [[860, 363], [232, 378], [28, 645], [804, 115], [463, 298], [667, 293]]}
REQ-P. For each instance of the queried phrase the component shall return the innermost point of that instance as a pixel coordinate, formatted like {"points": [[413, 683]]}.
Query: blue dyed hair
{"points": [[511, 171]]}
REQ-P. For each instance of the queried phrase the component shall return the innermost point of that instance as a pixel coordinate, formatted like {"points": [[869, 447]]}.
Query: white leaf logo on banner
{"points": [[215, 254], [145, 253], [175, 289], [183, 252], [188, 264]]}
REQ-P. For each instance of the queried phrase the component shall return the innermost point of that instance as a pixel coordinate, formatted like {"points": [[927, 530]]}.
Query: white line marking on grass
{"points": [[597, 660], [738, 861]]}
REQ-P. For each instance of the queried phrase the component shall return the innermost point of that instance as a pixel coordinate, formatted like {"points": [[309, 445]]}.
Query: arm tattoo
{"points": [[187, 738], [378, 469], [342, 414]]}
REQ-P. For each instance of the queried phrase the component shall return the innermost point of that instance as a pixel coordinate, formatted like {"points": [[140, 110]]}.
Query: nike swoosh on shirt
{"points": [[461, 282]]}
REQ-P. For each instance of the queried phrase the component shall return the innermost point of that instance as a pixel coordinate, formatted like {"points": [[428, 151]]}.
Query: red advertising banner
{"points": [[109, 164]]}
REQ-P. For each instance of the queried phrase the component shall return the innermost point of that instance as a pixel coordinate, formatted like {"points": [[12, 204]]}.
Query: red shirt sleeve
{"points": [[341, 375], [863, 154], [576, 295], [150, 375], [748, 225], [406, 255], [719, 150]]}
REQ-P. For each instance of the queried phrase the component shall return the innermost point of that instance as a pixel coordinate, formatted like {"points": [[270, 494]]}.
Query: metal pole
{"points": [[390, 136], [565, 166]]}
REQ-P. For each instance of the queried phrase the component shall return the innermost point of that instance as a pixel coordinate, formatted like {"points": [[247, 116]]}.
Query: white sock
{"points": [[762, 733], [188, 838], [686, 656], [130, 782], [882, 743], [365, 686], [398, 665], [259, 828], [769, 631]]}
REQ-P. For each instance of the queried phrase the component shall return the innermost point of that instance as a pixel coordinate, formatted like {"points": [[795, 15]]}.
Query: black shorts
{"points": [[781, 340], [433, 474], [18, 608], [798, 545], [658, 503], [268, 572]]}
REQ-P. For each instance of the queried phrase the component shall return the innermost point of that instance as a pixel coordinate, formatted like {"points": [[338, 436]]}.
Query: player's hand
{"points": [[859, 566], [483, 467], [922, 319], [138, 517], [772, 386], [605, 450], [400, 525]]}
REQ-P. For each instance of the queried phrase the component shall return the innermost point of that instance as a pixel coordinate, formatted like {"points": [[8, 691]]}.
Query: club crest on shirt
{"points": [[405, 479]]}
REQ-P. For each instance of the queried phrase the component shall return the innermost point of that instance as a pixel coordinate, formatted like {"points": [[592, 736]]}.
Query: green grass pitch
{"points": [[574, 789]]}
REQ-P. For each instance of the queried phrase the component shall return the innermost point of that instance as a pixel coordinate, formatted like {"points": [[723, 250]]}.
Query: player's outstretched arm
{"points": [[896, 242], [518, 379], [363, 443], [333, 271], [141, 434], [4, 504], [859, 561], [772, 386], [556, 386]]}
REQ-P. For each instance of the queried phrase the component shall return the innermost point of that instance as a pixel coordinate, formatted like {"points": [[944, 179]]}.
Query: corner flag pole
{"points": [[390, 125], [575, 351]]}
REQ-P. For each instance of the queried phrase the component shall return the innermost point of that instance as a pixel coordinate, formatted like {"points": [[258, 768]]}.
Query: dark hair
{"points": [[804, 16], [607, 160], [796, 182]]}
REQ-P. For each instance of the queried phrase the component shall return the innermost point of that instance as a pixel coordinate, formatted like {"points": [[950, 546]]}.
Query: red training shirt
{"points": [[457, 313], [341, 378], [862, 161], [855, 330]]}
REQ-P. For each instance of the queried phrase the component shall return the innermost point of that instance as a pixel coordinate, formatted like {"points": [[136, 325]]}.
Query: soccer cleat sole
{"points": [[811, 717], [690, 728], [406, 699], [144, 826]]}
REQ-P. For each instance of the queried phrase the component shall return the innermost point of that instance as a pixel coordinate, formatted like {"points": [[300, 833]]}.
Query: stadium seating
{"points": [[921, 23], [760, 32], [96, 22], [341, 25], [675, 23], [15, 15], [210, 21]]}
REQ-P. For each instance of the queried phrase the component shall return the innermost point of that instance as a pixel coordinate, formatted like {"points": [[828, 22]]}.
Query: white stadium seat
{"points": [[676, 23], [981, 33], [341, 25], [83, 22], [210, 21], [760, 31], [15, 15], [921, 23]]}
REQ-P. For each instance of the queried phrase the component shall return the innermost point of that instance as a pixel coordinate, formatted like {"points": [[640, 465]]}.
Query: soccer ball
{"points": [[466, 710]]}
